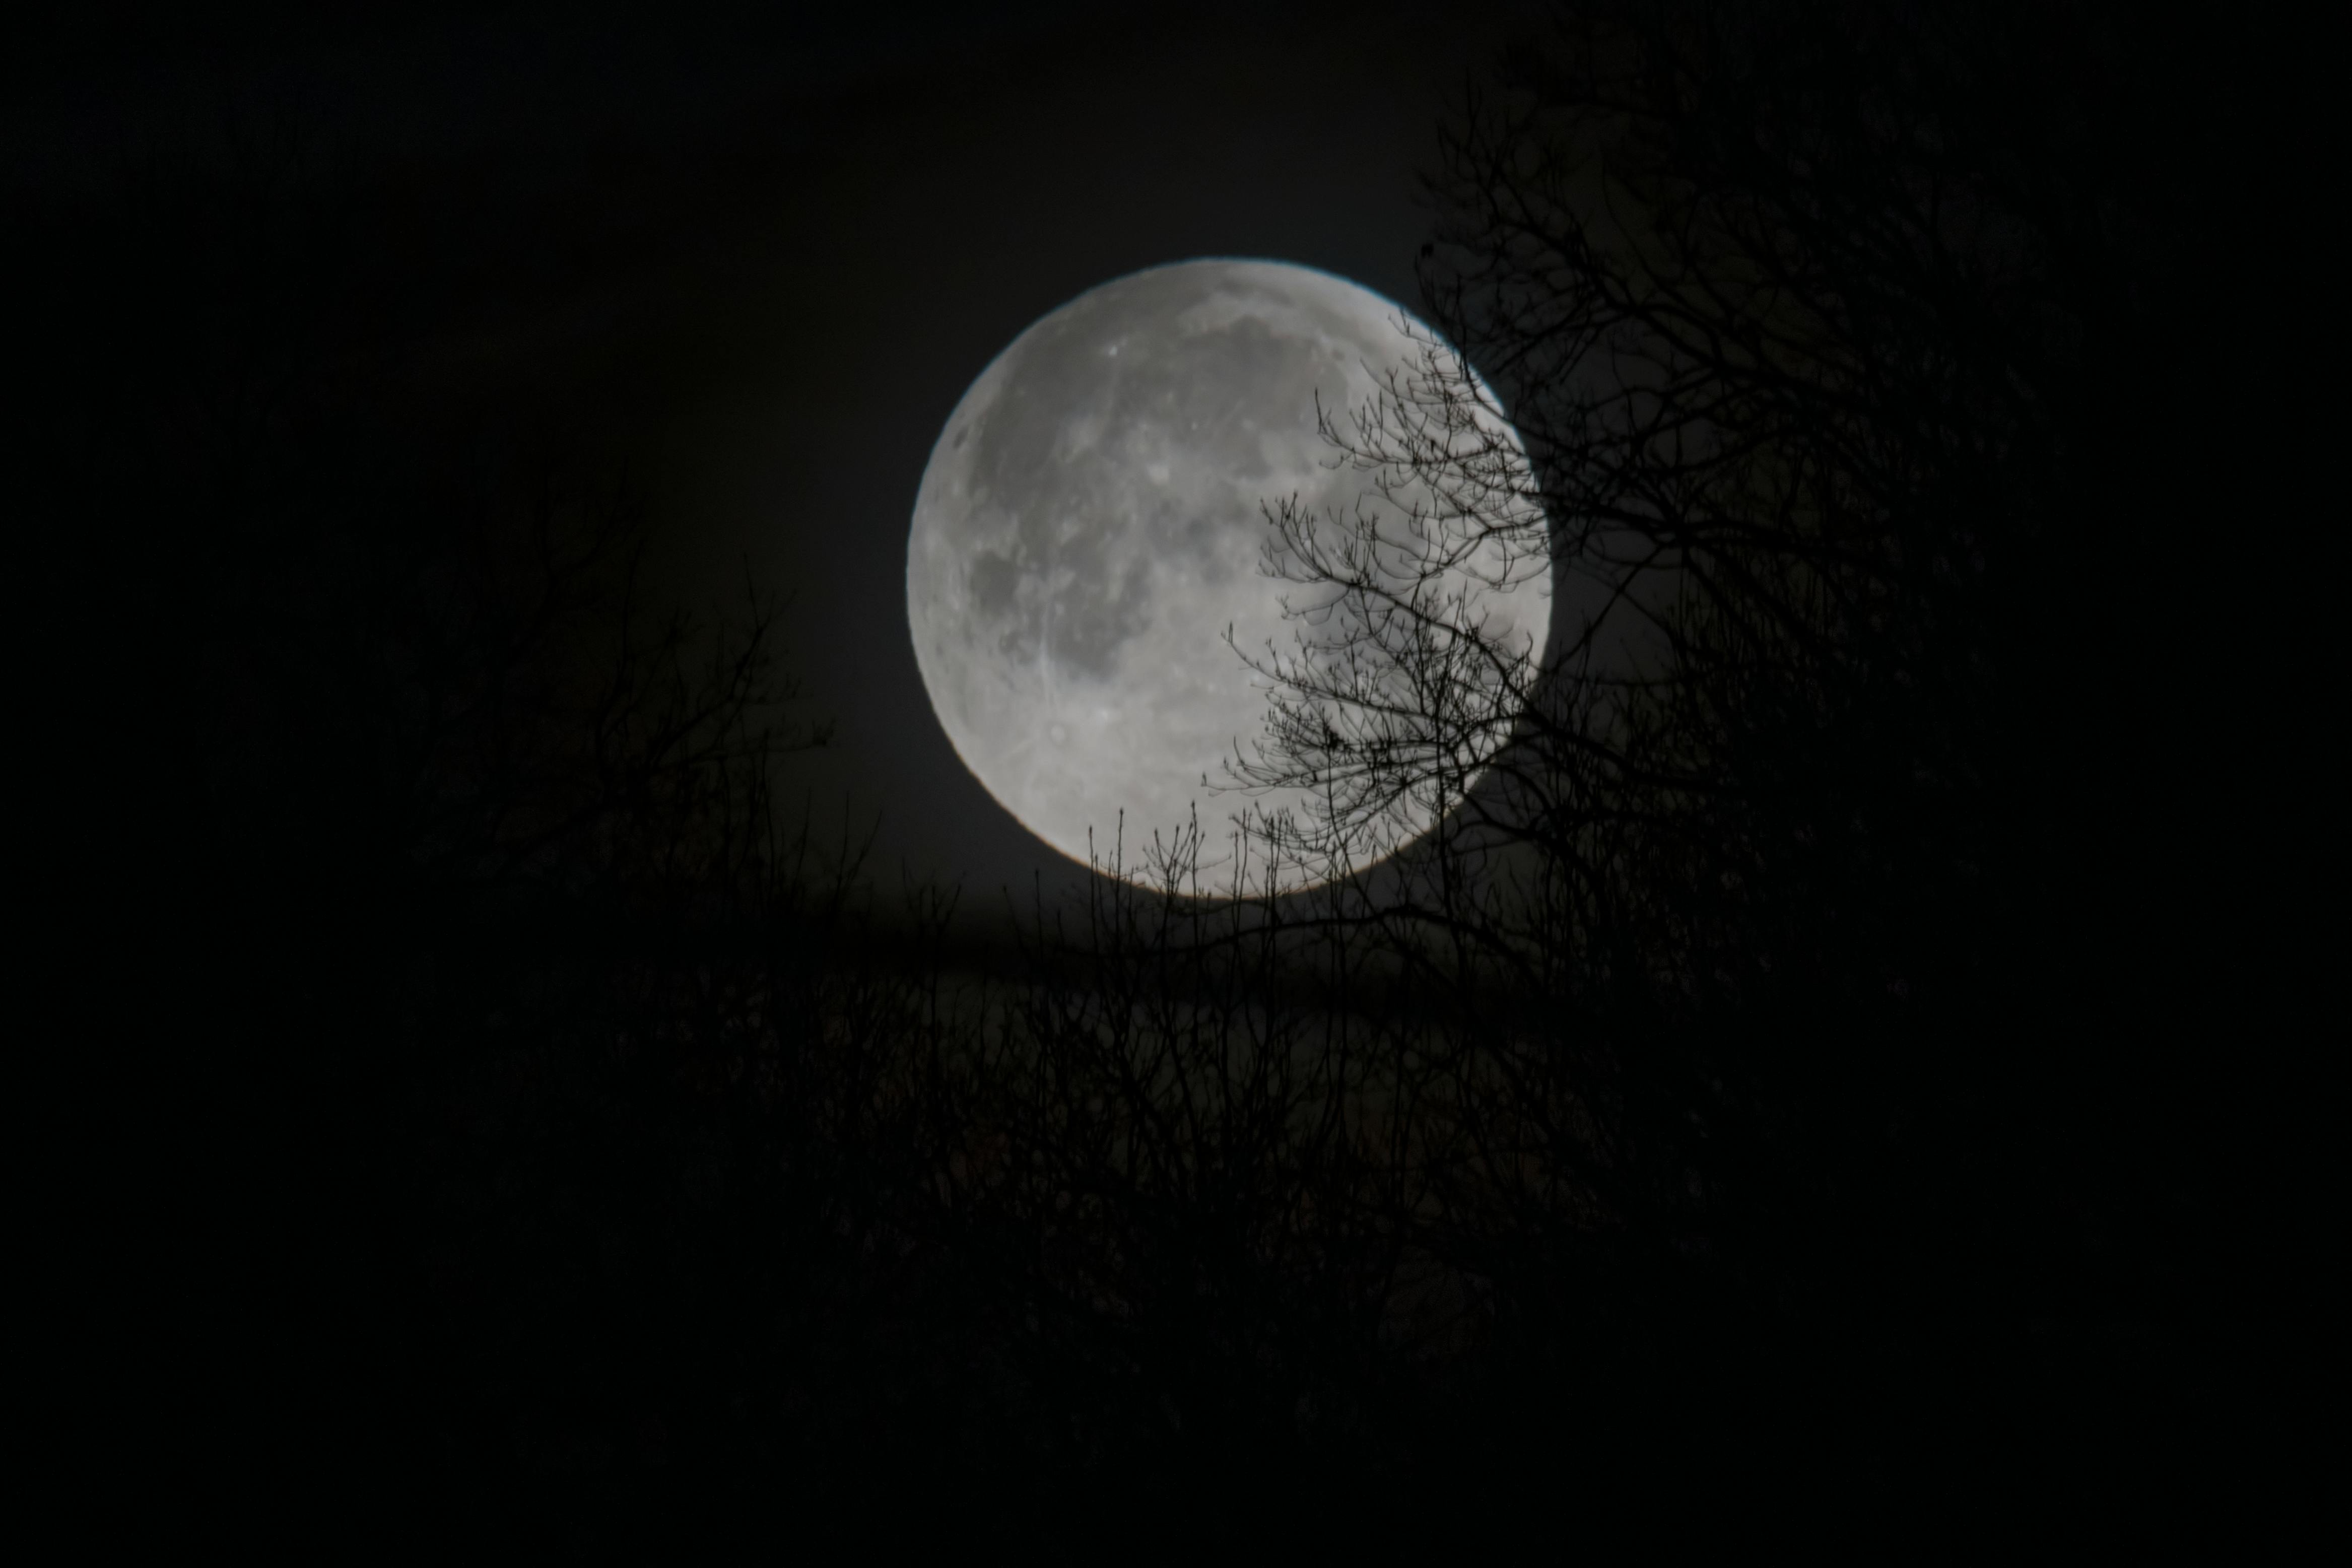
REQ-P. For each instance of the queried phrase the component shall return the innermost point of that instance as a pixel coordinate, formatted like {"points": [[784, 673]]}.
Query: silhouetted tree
{"points": [[1773, 894]]}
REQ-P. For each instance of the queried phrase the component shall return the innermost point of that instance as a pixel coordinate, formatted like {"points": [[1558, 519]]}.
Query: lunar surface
{"points": [[1092, 522]]}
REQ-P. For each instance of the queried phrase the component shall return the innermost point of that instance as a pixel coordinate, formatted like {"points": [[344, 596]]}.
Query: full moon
{"points": [[1093, 520]]}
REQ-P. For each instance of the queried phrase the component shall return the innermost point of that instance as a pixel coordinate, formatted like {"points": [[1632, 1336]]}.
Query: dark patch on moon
{"points": [[995, 593]]}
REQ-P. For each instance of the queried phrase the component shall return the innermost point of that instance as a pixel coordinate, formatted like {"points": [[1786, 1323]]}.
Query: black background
{"points": [[753, 257], [301, 286]]}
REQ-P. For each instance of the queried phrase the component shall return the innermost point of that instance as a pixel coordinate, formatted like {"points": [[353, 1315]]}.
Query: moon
{"points": [[1092, 521]]}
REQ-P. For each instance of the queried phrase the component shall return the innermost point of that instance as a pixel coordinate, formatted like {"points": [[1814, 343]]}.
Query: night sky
{"points": [[754, 259], [1877, 1111]]}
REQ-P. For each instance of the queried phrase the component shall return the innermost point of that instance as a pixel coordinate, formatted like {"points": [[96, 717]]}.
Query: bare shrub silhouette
{"points": [[1759, 897]]}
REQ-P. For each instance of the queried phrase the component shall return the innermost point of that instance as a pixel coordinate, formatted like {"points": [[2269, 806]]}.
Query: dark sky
{"points": [[1985, 1087], [758, 257]]}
